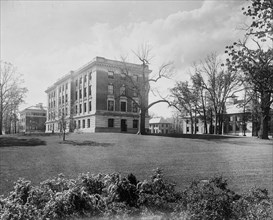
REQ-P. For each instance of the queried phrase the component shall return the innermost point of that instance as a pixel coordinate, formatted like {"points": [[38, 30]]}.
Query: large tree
{"points": [[142, 87], [254, 57], [185, 101], [218, 85], [257, 66], [11, 91]]}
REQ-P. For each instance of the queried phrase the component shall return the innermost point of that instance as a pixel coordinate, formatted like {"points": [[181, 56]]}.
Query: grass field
{"points": [[245, 162]]}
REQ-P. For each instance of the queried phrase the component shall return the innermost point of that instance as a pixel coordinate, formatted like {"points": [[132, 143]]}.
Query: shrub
{"points": [[111, 196]]}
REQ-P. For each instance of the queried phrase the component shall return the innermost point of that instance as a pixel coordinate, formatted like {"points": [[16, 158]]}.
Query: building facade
{"points": [[160, 126], [97, 98], [238, 120], [32, 119]]}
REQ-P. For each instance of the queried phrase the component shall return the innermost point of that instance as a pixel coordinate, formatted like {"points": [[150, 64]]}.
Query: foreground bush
{"points": [[116, 197]]}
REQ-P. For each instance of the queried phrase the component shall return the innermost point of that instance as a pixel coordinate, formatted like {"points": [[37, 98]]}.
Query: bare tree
{"points": [[11, 92], [142, 86], [219, 83]]}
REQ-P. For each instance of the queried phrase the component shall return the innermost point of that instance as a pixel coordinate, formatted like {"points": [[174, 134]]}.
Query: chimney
{"points": [[40, 105]]}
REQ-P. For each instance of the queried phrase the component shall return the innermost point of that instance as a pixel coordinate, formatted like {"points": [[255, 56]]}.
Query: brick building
{"points": [[96, 98], [32, 119]]}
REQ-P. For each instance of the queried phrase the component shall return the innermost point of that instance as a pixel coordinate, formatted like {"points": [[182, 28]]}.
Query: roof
{"points": [[96, 61], [159, 121], [38, 107]]}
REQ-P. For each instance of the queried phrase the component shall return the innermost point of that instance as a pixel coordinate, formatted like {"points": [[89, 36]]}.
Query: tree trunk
{"points": [[142, 115], [265, 107], [64, 135], [1, 116], [205, 114], [195, 122], [1, 123], [263, 132], [191, 123], [216, 122]]}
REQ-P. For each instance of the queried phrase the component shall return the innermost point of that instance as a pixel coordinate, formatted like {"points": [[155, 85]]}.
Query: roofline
{"points": [[93, 62]]}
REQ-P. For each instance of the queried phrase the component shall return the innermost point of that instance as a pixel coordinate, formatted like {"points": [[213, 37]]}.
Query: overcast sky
{"points": [[47, 39]]}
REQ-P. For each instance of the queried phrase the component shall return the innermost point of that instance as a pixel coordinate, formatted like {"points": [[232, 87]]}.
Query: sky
{"points": [[47, 39]]}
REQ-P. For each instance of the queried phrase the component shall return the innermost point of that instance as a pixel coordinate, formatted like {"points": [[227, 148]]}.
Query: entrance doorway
{"points": [[123, 125]]}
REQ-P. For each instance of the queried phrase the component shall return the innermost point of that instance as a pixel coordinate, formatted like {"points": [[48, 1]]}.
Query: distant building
{"points": [[32, 119], [96, 98], [238, 120], [160, 126]]}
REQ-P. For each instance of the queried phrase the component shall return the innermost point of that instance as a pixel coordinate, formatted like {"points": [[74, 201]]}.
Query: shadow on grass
{"points": [[86, 143], [197, 136], [13, 141]]}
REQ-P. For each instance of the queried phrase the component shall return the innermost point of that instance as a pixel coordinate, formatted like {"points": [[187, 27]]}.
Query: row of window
{"points": [[123, 76], [122, 90], [78, 108], [111, 123], [84, 79], [83, 125], [196, 129], [123, 106], [80, 92]]}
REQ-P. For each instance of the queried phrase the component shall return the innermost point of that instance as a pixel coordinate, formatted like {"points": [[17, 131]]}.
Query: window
{"points": [[110, 89], [110, 105], [89, 90], [90, 76], [90, 106], [76, 95], [65, 111], [122, 90], [66, 86], [135, 123], [62, 99], [85, 78], [84, 92], [188, 129], [84, 107], [79, 124], [88, 123], [134, 107], [83, 123], [80, 92], [110, 74], [123, 106], [110, 123], [80, 108], [80, 80], [76, 109], [196, 128], [66, 98]]}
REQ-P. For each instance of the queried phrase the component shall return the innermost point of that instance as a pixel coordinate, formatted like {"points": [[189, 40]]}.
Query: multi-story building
{"points": [[160, 126], [32, 119], [238, 120], [97, 98]]}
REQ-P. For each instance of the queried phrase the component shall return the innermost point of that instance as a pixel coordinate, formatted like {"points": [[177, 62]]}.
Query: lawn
{"points": [[245, 162]]}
